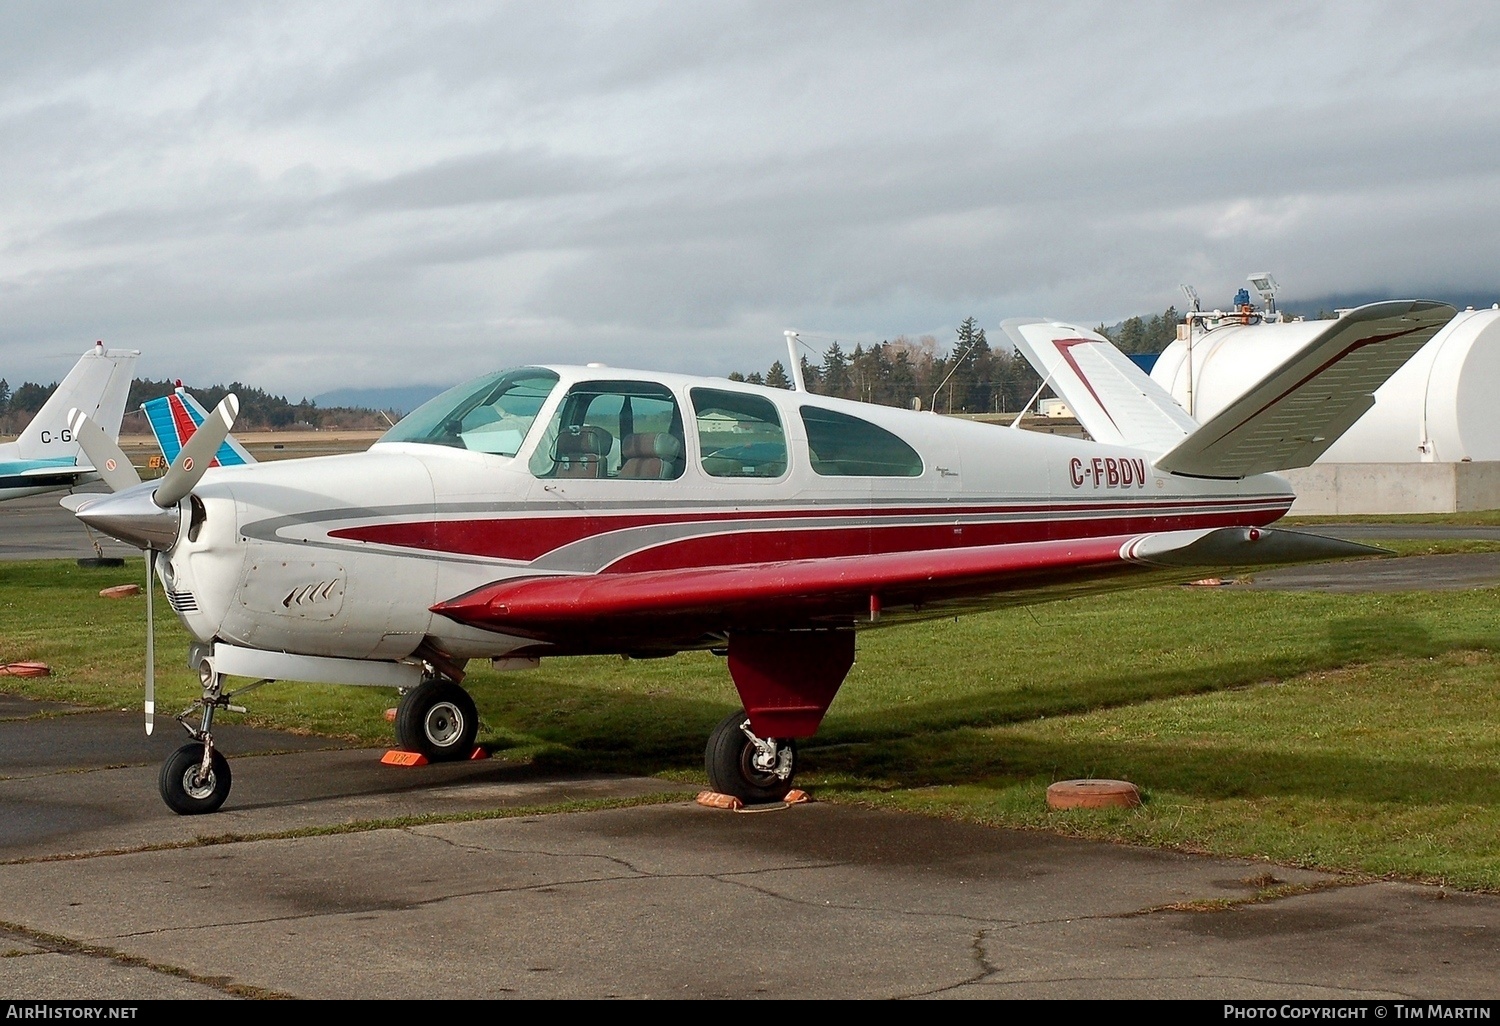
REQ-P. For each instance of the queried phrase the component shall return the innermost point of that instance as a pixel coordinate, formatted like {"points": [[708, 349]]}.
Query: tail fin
{"points": [[175, 417], [1292, 415], [98, 384], [1114, 400]]}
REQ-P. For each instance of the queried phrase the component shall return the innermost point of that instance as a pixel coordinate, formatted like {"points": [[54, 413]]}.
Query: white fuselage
{"points": [[345, 555]]}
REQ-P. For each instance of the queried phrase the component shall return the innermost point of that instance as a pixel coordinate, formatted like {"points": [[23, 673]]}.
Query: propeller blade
{"points": [[198, 454], [150, 645], [109, 461]]}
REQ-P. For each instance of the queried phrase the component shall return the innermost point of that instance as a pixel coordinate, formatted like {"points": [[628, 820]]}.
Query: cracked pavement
{"points": [[106, 894]]}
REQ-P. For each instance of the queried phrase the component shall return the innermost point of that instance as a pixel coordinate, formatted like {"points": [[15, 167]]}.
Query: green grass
{"points": [[1473, 518], [1349, 732]]}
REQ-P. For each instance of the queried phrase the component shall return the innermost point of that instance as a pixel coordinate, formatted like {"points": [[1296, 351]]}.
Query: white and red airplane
{"points": [[555, 511]]}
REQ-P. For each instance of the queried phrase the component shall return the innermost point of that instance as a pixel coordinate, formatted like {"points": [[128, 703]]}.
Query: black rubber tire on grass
{"points": [[438, 719]]}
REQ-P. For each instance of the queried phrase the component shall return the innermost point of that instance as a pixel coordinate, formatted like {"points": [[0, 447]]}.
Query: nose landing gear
{"points": [[195, 779]]}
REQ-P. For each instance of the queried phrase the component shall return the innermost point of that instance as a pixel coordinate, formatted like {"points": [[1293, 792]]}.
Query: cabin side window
{"points": [[613, 429], [843, 446], [739, 435]]}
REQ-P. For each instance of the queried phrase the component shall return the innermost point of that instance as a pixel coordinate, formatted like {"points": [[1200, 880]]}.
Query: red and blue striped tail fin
{"points": [[174, 418]]}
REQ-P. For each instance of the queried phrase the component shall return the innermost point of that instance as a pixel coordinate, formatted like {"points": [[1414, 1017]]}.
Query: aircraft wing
{"points": [[1116, 402], [1296, 412], [66, 470], [608, 612]]}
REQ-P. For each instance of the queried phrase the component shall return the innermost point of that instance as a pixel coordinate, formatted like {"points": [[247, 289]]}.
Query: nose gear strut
{"points": [[196, 778]]}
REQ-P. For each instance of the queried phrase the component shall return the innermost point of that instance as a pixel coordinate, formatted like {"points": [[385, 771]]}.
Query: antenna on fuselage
{"points": [[794, 368]]}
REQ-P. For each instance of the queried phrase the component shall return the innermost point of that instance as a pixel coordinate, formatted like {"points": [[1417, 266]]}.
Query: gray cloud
{"points": [[310, 196]]}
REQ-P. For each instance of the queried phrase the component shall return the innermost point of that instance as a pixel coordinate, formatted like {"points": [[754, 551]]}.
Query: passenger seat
{"points": [[651, 455]]}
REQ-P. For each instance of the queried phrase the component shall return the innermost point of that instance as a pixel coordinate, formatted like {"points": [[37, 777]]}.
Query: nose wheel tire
{"points": [[186, 789], [751, 769], [438, 719]]}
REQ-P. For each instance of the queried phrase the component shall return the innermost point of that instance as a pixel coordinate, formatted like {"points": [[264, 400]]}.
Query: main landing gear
{"points": [[753, 769], [786, 680], [196, 778], [438, 719]]}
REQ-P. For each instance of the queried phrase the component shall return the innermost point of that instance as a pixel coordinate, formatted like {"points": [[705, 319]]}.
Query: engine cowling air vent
{"points": [[307, 590], [182, 601]]}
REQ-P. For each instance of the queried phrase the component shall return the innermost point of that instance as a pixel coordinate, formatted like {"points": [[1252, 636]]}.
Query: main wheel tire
{"points": [[184, 791], [438, 719], [731, 769]]}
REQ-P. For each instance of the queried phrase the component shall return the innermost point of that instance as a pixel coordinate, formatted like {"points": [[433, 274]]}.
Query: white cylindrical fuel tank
{"points": [[1442, 406]]}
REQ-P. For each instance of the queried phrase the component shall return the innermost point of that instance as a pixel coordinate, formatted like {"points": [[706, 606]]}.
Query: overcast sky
{"points": [[310, 196]]}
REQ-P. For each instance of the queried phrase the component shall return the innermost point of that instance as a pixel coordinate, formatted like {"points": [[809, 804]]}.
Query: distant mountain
{"points": [[403, 399]]}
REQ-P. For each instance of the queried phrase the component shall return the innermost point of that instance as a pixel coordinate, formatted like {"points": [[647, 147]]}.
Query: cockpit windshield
{"points": [[491, 414]]}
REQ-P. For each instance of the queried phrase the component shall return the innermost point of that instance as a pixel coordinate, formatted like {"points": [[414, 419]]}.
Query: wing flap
{"points": [[607, 611], [1298, 410]]}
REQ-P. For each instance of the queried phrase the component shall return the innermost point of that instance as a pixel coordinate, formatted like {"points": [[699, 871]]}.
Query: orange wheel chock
{"points": [[715, 800], [1093, 794], [796, 797], [397, 757], [25, 669], [478, 753]]}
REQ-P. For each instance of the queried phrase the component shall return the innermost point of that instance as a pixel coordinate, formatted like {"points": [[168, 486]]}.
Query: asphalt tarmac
{"points": [[36, 527], [316, 880], [303, 886]]}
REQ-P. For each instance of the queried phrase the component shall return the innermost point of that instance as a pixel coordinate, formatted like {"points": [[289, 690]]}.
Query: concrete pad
{"points": [[51, 976], [1377, 941], [814, 901]]}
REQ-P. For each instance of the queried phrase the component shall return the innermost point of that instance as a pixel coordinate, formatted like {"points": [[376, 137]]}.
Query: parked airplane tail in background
{"points": [[1286, 420], [175, 417], [98, 384]]}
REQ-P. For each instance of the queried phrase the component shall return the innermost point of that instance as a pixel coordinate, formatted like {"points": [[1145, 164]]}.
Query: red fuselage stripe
{"points": [[528, 538]]}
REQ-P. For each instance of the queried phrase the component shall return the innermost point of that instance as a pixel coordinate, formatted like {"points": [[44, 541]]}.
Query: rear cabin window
{"points": [[739, 435], [628, 430], [845, 446]]}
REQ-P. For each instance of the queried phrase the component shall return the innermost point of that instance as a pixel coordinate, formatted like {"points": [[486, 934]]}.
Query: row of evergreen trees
{"points": [[969, 378], [259, 410], [1138, 335]]}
